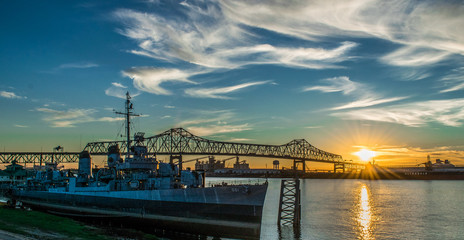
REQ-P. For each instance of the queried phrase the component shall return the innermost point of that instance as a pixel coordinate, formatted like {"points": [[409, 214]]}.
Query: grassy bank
{"points": [[46, 226]]}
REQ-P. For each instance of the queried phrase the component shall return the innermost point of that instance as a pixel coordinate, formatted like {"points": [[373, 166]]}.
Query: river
{"points": [[364, 209]]}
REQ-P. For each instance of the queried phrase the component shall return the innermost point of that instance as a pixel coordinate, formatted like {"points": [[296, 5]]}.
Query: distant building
{"points": [[241, 165], [209, 165]]}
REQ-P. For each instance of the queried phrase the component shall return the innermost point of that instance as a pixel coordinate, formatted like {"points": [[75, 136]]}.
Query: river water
{"points": [[364, 209]]}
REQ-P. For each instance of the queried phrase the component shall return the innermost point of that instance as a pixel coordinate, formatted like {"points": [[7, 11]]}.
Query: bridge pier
{"points": [[179, 159], [339, 166], [297, 162]]}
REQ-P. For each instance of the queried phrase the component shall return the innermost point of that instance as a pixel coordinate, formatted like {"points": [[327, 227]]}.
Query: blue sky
{"points": [[345, 75]]}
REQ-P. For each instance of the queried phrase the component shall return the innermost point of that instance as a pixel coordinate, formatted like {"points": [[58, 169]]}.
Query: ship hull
{"points": [[232, 211]]}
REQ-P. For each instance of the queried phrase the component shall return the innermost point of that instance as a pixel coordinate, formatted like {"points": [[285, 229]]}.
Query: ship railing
{"points": [[234, 182]]}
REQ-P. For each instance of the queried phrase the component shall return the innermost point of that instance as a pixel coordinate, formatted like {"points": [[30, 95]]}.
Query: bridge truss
{"points": [[178, 141], [39, 157]]}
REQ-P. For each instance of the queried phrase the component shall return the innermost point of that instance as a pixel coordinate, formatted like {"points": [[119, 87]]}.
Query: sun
{"points": [[365, 154]]}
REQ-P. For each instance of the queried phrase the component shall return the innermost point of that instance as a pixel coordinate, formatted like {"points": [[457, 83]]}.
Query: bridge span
{"points": [[178, 142]]}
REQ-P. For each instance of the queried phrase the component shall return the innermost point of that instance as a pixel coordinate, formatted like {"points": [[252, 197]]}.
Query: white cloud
{"points": [[219, 91], [313, 127], [77, 65], [109, 119], [207, 122], [426, 30], [119, 85], [413, 56], [364, 95], [21, 126], [367, 102], [414, 74], [168, 106], [215, 129], [119, 91], [69, 118], [205, 116], [416, 114], [150, 79], [337, 84], [241, 140], [454, 81], [208, 38], [10, 95]]}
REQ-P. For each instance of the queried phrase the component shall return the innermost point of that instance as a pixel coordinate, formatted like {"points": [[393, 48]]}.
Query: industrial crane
{"points": [[227, 159]]}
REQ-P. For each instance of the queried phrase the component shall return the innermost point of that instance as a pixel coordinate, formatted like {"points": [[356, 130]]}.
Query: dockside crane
{"points": [[227, 159], [195, 159]]}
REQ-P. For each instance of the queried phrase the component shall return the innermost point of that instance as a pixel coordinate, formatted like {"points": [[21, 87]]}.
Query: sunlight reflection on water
{"points": [[364, 216]]}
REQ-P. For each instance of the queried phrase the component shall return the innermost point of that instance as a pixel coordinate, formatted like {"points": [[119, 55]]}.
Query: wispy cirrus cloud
{"points": [[71, 117], [20, 126], [118, 90], [312, 127], [207, 38], [453, 81], [204, 36], [241, 140], [368, 101], [337, 84], [149, 79], [119, 85], [414, 56], [10, 95], [78, 65], [211, 122], [219, 92], [425, 30], [363, 94], [416, 114], [201, 117], [75, 65], [216, 129]]}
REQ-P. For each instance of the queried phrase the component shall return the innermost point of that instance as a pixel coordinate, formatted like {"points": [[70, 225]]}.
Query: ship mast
{"points": [[128, 114]]}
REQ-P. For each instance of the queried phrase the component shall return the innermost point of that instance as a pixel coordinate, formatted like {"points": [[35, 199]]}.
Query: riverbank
{"points": [[26, 224]]}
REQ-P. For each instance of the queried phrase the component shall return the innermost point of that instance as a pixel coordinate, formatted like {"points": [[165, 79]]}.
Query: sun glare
{"points": [[365, 154]]}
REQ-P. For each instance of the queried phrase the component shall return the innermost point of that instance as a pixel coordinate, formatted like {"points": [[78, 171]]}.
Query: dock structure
{"points": [[290, 203]]}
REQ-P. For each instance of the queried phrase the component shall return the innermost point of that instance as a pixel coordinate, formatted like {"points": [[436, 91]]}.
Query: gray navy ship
{"points": [[138, 187]]}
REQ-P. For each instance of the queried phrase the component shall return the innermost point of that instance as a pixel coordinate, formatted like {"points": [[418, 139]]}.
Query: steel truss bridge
{"points": [[39, 157], [178, 141]]}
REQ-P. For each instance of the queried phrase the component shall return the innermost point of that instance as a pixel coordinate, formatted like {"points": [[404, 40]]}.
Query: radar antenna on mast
{"points": [[128, 113]]}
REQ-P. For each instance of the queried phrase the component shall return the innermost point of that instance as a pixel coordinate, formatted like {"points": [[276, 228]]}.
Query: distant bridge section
{"points": [[178, 141], [39, 157]]}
